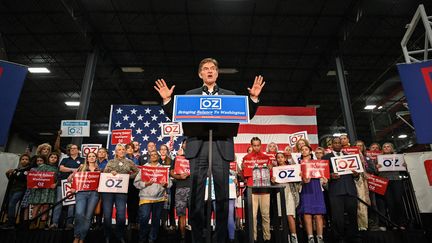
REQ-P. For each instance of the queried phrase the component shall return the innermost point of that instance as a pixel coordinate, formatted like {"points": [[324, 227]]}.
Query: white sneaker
{"points": [[320, 239], [311, 240], [293, 239]]}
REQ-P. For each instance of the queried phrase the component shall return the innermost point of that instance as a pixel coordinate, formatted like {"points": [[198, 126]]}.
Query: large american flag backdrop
{"points": [[145, 123], [275, 124], [270, 124]]}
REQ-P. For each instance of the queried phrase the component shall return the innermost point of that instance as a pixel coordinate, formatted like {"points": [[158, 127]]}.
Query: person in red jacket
{"points": [[259, 200]]}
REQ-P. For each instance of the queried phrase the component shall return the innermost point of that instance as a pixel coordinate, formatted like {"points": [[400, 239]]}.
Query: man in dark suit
{"points": [[197, 151], [342, 193]]}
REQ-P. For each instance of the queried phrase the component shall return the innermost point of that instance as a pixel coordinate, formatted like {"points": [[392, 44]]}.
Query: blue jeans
{"points": [[108, 200], [144, 212], [14, 198], [85, 204], [58, 209]]}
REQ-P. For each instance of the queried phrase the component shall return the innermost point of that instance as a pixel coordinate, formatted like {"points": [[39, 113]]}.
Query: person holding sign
{"points": [[67, 166], [86, 200], [312, 199], [292, 198], [152, 198], [17, 186], [260, 201], [118, 165], [197, 151], [342, 193], [40, 198], [182, 191], [393, 197]]}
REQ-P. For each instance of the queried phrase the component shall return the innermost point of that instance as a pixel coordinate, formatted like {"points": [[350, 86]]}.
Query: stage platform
{"points": [[96, 236]]}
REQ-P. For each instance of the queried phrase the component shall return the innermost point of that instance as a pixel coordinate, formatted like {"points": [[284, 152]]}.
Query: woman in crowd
{"points": [[182, 193], [86, 201], [42, 150], [41, 198], [118, 165], [132, 200], [291, 198], [393, 197], [152, 197], [271, 150], [288, 155], [312, 199], [364, 215], [168, 211], [300, 143], [17, 187]]}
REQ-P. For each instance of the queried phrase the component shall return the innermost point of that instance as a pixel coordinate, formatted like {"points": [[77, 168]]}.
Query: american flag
{"points": [[275, 124], [145, 123]]}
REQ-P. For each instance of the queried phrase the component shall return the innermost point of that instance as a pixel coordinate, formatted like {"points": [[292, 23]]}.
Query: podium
{"points": [[205, 118]]}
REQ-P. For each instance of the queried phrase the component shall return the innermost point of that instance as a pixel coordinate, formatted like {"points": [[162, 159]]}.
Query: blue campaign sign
{"points": [[417, 83], [12, 78], [215, 108]]}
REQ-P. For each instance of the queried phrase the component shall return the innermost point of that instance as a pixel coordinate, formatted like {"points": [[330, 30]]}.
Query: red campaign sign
{"points": [[250, 160], [315, 169], [121, 136], [86, 181], [377, 184], [233, 166], [373, 154], [181, 165], [351, 150], [157, 174], [40, 179]]}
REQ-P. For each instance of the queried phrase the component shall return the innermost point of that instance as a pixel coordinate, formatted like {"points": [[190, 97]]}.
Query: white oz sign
{"points": [[344, 165], [171, 129], [114, 184], [287, 173], [391, 162]]}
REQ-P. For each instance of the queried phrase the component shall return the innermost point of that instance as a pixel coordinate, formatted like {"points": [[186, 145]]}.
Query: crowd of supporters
{"points": [[311, 204]]}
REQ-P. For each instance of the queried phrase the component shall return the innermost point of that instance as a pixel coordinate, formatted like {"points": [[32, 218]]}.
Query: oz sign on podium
{"points": [[211, 109]]}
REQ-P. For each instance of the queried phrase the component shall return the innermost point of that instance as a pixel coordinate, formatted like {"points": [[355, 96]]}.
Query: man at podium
{"points": [[197, 149]]}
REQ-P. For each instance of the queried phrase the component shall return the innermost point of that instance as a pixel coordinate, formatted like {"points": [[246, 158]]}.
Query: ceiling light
{"points": [[104, 132], [149, 102], [72, 103], [132, 69], [38, 70], [380, 107], [227, 70], [403, 136], [46, 133], [369, 107]]}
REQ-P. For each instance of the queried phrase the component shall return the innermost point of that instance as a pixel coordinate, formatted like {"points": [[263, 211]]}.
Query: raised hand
{"points": [[164, 92], [256, 87]]}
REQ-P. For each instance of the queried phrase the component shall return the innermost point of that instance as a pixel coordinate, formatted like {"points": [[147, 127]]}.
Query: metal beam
{"points": [[345, 100], [86, 88]]}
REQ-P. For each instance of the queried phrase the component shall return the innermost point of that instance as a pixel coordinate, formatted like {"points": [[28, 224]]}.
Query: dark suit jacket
{"points": [[342, 186], [225, 143]]}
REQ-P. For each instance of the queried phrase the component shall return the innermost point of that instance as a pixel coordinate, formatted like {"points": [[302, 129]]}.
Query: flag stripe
{"points": [[275, 129], [267, 138], [284, 119], [294, 111]]}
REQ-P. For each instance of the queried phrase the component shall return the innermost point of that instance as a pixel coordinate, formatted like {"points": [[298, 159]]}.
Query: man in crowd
{"points": [[342, 193]]}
